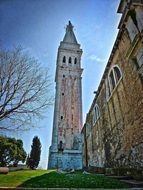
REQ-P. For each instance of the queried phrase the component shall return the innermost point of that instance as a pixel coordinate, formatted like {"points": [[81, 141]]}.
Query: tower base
{"points": [[68, 159]]}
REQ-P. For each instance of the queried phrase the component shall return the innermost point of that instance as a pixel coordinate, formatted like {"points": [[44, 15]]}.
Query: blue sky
{"points": [[39, 26]]}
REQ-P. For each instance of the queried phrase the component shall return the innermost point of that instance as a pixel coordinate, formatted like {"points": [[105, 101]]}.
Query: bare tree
{"points": [[24, 89]]}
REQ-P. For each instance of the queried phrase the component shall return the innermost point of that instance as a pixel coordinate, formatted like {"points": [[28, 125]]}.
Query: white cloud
{"points": [[96, 58]]}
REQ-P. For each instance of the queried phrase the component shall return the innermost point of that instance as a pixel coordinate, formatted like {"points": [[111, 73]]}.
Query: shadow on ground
{"points": [[74, 180]]}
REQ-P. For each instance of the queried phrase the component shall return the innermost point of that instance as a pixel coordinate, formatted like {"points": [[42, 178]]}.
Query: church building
{"points": [[113, 130], [66, 149]]}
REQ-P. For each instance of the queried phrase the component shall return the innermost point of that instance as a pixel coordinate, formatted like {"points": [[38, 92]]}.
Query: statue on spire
{"points": [[70, 36]]}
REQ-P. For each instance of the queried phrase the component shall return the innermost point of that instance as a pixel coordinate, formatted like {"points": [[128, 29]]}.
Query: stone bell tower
{"points": [[66, 148]]}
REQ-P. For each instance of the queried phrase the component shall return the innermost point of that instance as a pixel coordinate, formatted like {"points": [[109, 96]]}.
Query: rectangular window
{"points": [[139, 15], [131, 29], [140, 57]]}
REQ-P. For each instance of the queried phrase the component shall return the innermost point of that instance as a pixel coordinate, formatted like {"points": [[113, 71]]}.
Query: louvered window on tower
{"points": [[75, 61]]}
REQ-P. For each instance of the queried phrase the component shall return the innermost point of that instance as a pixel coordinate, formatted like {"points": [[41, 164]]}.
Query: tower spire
{"points": [[70, 36]]}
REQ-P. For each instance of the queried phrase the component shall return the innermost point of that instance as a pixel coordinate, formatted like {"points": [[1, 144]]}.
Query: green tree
{"points": [[20, 153], [11, 151], [33, 160]]}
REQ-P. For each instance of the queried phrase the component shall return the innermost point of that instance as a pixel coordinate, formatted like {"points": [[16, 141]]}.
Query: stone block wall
{"points": [[65, 160]]}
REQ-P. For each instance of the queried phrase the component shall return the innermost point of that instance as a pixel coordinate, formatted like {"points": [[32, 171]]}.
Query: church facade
{"points": [[66, 148], [113, 131]]}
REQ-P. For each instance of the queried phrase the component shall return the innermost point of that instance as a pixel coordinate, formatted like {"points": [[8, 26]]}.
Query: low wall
{"points": [[17, 168]]}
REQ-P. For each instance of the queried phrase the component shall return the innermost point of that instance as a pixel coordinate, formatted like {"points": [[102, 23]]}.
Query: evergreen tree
{"points": [[33, 160]]}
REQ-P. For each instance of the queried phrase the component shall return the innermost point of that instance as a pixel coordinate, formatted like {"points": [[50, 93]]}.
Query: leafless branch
{"points": [[24, 89]]}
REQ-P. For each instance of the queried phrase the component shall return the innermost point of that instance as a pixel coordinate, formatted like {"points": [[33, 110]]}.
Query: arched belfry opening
{"points": [[64, 59], [70, 60]]}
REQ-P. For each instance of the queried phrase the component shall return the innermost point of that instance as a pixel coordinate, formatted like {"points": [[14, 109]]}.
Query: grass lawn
{"points": [[49, 179]]}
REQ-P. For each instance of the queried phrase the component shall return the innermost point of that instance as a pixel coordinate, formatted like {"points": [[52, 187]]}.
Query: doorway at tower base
{"points": [[66, 160]]}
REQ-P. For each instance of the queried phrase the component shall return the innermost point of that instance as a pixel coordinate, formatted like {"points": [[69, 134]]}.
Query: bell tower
{"points": [[66, 149]]}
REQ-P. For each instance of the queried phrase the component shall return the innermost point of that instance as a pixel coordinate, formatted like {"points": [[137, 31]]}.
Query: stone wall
{"points": [[66, 160]]}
